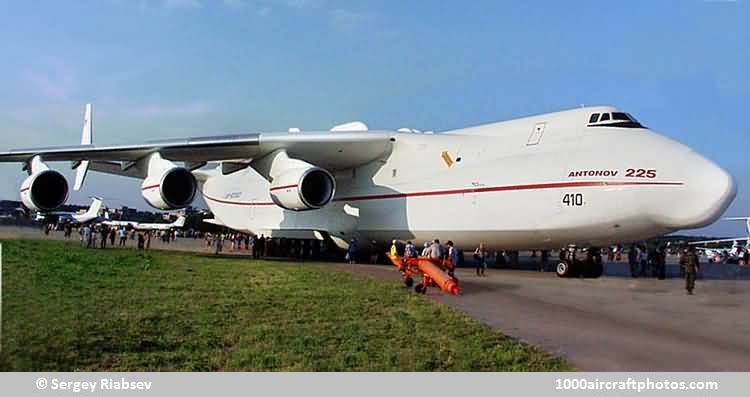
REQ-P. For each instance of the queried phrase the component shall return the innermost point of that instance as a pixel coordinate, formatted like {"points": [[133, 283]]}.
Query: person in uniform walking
{"points": [[692, 266]]}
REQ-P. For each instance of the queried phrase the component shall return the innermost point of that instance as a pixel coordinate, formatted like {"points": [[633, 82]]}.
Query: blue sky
{"points": [[165, 68]]}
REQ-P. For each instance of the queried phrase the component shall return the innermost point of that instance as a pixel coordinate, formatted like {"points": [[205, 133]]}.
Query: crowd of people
{"points": [[264, 247], [646, 262], [100, 236], [643, 261]]}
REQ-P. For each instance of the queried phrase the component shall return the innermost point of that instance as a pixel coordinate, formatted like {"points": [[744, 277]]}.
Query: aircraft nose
{"points": [[709, 189]]}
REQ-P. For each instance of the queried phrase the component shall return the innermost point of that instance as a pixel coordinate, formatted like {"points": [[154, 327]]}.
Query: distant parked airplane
{"points": [[179, 223], [735, 253], [72, 217]]}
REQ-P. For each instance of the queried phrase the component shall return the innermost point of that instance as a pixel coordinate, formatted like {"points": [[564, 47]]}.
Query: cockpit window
{"points": [[620, 116], [614, 119]]}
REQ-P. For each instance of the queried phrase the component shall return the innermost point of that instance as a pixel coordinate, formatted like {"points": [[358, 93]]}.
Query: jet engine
{"points": [[301, 189], [45, 190], [171, 189]]}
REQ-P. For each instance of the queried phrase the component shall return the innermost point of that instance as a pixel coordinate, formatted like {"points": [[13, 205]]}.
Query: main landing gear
{"points": [[569, 266]]}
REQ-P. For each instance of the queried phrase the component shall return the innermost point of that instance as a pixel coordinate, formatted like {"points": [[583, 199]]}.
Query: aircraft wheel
{"points": [[564, 269], [419, 289], [409, 282]]}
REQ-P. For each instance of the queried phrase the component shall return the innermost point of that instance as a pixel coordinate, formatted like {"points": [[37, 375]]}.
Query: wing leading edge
{"points": [[335, 151]]}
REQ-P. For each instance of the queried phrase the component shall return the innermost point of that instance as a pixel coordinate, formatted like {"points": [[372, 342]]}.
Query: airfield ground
{"points": [[70, 309], [609, 324]]}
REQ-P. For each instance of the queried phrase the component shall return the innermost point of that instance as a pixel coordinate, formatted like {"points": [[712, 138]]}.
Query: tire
{"points": [[564, 269], [409, 282], [419, 289]]}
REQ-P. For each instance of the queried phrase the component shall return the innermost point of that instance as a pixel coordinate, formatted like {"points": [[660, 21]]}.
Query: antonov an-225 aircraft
{"points": [[587, 177]]}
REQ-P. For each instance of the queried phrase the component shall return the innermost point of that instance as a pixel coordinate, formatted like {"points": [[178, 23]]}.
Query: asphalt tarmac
{"points": [[614, 323]]}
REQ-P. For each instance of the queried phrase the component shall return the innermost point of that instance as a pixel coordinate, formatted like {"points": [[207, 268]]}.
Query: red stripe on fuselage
{"points": [[283, 187], [537, 186]]}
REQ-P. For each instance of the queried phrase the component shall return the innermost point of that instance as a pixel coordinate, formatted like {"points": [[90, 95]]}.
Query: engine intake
{"points": [[301, 189], [44, 191], [173, 189]]}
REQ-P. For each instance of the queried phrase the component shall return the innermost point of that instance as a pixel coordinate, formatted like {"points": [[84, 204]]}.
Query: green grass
{"points": [[70, 309]]}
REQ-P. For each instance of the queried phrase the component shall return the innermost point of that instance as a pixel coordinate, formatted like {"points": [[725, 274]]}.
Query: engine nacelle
{"points": [[44, 191], [301, 189], [171, 189]]}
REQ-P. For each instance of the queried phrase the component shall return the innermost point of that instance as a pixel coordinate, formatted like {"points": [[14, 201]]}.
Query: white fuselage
{"points": [[533, 183]]}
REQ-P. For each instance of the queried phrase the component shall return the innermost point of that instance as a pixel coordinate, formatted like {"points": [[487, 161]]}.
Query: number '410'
{"points": [[573, 199]]}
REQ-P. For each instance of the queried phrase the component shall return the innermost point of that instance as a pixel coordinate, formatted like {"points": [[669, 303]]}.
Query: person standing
{"points": [[661, 263], [544, 263], [426, 249], [141, 241], [351, 252], [123, 237], [410, 251], [692, 266], [453, 256], [633, 260], [86, 236], [480, 259], [262, 246], [436, 251], [394, 249], [104, 235], [92, 236]]}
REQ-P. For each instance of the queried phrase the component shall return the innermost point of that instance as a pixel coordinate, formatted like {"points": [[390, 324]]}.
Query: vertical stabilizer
{"points": [[86, 139]]}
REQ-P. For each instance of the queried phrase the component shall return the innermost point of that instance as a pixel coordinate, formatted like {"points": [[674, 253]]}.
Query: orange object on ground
{"points": [[432, 272]]}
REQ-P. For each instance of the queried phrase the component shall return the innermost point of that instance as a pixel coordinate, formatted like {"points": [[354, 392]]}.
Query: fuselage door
{"points": [[536, 134]]}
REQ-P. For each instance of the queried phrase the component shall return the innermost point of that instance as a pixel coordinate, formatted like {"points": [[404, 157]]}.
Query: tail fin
{"points": [[95, 207], [86, 139]]}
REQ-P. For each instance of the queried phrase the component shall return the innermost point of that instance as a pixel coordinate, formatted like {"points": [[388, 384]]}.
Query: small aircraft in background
{"points": [[179, 223], [90, 215], [738, 253]]}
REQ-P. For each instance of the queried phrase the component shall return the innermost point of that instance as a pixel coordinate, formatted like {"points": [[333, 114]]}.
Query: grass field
{"points": [[70, 309]]}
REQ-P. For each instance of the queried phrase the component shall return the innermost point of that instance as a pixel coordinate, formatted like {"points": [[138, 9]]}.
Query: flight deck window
{"points": [[620, 116], [605, 117], [594, 118]]}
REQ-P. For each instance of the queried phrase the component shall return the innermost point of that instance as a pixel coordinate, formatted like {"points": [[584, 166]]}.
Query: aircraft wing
{"points": [[725, 240], [332, 150]]}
